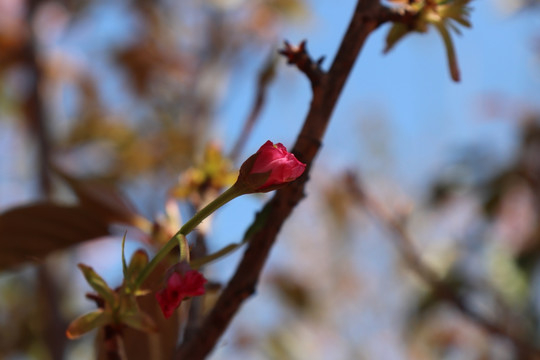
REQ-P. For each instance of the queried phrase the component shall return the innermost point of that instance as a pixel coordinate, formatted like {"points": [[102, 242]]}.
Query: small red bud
{"points": [[179, 286], [269, 168]]}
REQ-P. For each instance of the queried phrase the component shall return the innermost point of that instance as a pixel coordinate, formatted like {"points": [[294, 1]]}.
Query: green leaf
{"points": [[139, 320], [124, 265], [457, 10], [454, 27], [31, 232], [87, 322], [463, 22], [450, 52], [197, 263], [396, 33], [99, 285], [138, 262], [130, 314]]}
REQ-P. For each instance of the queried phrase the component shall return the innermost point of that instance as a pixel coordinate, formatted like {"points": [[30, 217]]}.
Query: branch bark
{"points": [[325, 95]]}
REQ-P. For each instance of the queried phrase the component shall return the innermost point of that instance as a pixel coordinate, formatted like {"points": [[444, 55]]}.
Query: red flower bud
{"points": [[179, 286], [269, 168]]}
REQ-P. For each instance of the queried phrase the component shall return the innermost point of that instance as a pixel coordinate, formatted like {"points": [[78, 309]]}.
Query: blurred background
{"points": [[130, 115]]}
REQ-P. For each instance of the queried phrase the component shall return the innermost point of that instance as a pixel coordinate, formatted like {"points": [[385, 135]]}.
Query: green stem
{"points": [[156, 260], [178, 238], [450, 52], [231, 193], [197, 263]]}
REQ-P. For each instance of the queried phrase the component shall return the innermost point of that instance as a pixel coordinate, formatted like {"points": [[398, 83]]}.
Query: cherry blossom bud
{"points": [[271, 167]]}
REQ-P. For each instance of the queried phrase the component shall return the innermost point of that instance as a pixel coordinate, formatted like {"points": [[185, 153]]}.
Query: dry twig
{"points": [[265, 78]]}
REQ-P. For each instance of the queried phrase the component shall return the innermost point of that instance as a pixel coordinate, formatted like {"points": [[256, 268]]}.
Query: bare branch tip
{"points": [[298, 55]]}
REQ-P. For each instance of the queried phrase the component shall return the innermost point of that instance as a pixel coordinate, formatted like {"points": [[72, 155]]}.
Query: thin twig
{"points": [[325, 95], [265, 77], [297, 55], [34, 108]]}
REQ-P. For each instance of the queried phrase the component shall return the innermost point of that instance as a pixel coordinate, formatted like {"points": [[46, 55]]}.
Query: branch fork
{"points": [[298, 55]]}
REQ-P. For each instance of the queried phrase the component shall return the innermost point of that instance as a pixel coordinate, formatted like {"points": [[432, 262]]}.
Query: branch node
{"points": [[298, 55]]}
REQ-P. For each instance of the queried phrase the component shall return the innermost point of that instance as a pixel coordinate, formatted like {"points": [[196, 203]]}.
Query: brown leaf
{"points": [[104, 199], [31, 232]]}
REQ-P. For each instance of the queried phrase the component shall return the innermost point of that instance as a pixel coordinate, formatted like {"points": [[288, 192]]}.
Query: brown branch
{"points": [[33, 105], [298, 55], [325, 95], [53, 324], [407, 249]]}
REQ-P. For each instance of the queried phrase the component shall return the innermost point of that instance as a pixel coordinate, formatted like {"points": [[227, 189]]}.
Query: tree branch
{"points": [[266, 75], [325, 95], [34, 108], [298, 55]]}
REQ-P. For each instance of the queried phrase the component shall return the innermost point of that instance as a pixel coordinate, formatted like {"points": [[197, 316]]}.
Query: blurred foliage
{"points": [[212, 174], [506, 249]]}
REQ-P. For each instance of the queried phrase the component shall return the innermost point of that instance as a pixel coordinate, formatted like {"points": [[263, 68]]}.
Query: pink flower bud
{"points": [[179, 286], [269, 168]]}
